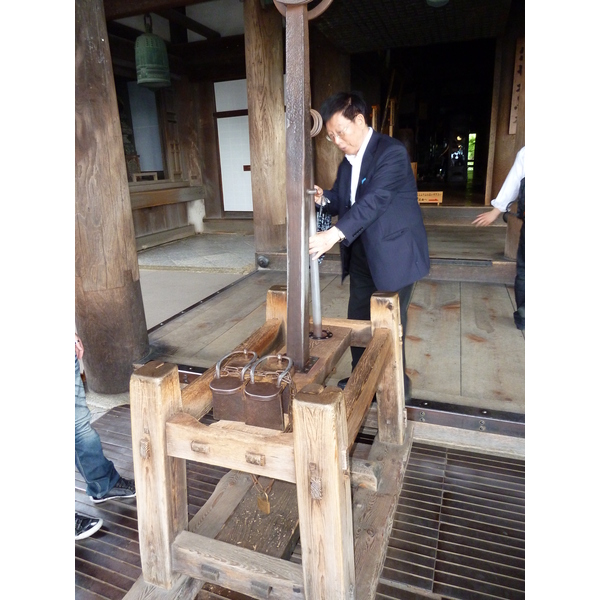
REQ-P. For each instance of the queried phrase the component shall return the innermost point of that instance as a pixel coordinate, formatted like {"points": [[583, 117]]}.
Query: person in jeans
{"points": [[103, 481]]}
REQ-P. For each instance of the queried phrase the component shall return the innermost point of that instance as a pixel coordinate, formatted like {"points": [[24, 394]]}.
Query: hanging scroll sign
{"points": [[518, 86]]}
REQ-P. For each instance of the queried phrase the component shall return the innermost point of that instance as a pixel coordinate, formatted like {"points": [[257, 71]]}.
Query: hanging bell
{"points": [[151, 61]]}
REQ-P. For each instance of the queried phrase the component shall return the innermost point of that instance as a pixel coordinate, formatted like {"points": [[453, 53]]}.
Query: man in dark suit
{"points": [[383, 244]]}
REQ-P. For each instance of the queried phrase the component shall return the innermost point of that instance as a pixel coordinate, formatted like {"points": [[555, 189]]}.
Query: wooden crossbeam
{"points": [[364, 381], [237, 569], [232, 445]]}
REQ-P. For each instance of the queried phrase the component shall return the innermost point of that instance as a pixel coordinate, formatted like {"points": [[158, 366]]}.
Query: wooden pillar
{"points": [[109, 312], [385, 313], [298, 181], [329, 74], [277, 304], [266, 115], [507, 142], [324, 499], [160, 480]]}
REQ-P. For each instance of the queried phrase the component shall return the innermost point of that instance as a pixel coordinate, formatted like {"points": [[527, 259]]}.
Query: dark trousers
{"points": [[362, 288], [519, 314]]}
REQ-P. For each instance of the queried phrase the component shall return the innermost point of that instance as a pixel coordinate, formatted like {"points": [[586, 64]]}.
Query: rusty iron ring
{"points": [[313, 13], [317, 122]]}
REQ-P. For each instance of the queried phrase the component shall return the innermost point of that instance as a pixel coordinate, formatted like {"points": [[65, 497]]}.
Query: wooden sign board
{"points": [[518, 83], [430, 197]]}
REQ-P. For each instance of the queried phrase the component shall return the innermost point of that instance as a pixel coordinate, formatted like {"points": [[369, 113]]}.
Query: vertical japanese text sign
{"points": [[518, 85]]}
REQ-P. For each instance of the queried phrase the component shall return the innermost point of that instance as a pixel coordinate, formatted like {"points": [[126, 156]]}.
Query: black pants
{"points": [[519, 314], [362, 288]]}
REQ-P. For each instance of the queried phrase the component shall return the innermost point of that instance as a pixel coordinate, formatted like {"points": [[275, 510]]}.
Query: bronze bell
{"points": [[151, 60], [228, 391], [264, 399]]}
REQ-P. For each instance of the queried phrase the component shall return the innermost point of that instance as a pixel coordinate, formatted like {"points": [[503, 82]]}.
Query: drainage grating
{"points": [[459, 528]]}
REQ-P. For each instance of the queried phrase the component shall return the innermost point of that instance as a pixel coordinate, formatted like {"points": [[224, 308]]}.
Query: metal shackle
{"points": [[246, 367], [279, 357]]}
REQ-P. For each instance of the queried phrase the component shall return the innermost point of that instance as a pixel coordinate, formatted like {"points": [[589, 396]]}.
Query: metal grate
{"points": [[459, 528]]}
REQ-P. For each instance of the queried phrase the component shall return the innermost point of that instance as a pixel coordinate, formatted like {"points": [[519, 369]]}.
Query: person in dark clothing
{"points": [[383, 243]]}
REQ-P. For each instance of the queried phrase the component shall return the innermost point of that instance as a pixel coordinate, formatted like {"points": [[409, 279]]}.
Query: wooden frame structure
{"points": [[344, 534], [345, 505]]}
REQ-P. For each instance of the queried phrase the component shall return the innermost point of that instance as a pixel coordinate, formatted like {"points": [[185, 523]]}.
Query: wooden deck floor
{"points": [[462, 345], [458, 530]]}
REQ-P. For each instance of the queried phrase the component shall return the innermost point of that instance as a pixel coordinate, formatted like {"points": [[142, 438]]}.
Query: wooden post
{"points": [[298, 181], [160, 480], [109, 312], [385, 313], [323, 487], [330, 73], [277, 303], [266, 115]]}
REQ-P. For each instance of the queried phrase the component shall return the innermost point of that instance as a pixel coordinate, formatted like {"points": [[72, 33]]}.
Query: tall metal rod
{"points": [[315, 284]]}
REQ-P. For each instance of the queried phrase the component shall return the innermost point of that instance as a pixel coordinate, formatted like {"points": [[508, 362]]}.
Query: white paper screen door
{"points": [[234, 145]]}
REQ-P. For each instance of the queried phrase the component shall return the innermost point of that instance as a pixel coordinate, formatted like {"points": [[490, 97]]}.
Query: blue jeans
{"points": [[99, 472]]}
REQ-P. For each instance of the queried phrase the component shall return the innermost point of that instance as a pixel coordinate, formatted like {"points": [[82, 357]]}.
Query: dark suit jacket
{"points": [[386, 215]]}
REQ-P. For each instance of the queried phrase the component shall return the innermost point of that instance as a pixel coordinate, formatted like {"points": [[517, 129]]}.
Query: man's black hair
{"points": [[350, 104]]}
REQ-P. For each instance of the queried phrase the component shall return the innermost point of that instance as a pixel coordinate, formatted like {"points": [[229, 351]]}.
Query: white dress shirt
{"points": [[356, 160], [510, 188]]}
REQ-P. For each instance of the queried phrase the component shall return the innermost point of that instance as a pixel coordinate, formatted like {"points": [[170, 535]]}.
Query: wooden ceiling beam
{"points": [[119, 9], [179, 19]]}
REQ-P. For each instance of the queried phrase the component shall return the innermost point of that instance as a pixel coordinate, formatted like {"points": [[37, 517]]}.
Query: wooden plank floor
{"points": [[462, 345], [459, 518]]}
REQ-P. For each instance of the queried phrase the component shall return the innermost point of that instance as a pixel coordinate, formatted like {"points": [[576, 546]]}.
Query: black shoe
{"points": [[124, 488], [343, 382], [519, 318], [86, 526]]}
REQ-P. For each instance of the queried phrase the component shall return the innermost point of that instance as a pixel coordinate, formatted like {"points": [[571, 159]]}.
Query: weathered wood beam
{"points": [[176, 17], [266, 115], [123, 31], [327, 352], [109, 310], [373, 514], [160, 479], [216, 59], [119, 9], [385, 313], [265, 452], [324, 497], [361, 330], [237, 569], [208, 521], [364, 380], [298, 181]]}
